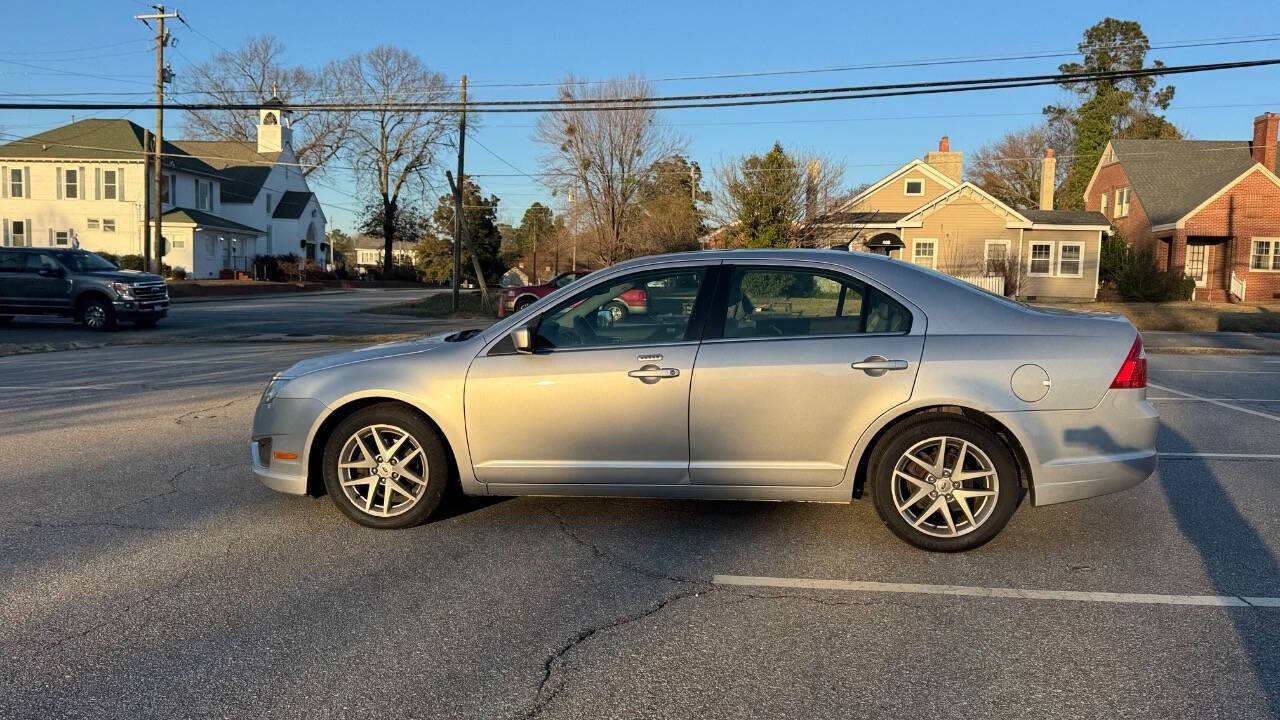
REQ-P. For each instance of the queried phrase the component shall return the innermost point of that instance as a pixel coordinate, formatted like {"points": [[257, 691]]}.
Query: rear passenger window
{"points": [[774, 302], [12, 262]]}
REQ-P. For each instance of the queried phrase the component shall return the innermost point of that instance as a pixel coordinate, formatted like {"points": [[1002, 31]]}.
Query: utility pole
{"points": [[163, 75], [458, 228]]}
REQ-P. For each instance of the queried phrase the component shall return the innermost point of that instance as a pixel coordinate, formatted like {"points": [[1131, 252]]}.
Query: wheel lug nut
{"points": [[393, 461], [395, 476]]}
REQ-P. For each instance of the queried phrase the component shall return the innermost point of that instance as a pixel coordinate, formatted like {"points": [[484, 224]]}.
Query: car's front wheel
{"points": [[98, 314], [944, 483], [385, 467]]}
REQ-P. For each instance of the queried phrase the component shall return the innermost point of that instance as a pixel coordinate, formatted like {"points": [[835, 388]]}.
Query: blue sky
{"points": [[498, 42]]}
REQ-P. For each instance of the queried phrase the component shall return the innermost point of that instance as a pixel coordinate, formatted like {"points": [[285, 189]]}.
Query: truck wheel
{"points": [[98, 314]]}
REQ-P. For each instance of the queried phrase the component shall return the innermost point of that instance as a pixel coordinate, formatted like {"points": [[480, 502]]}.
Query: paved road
{"points": [[145, 574], [303, 313]]}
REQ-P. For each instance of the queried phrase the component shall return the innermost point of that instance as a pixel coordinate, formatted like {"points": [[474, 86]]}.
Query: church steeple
{"points": [[275, 131]]}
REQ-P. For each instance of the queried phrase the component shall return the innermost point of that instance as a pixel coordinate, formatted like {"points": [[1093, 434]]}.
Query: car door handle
{"points": [[877, 365], [656, 372]]}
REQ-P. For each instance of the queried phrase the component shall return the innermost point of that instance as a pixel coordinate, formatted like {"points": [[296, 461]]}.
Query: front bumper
{"points": [[141, 309], [280, 442]]}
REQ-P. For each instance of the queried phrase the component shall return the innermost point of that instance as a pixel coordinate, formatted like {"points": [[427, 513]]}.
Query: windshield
{"points": [[85, 262]]}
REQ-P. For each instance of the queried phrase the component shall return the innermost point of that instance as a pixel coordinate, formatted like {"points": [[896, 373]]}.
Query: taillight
{"points": [[1133, 373]]}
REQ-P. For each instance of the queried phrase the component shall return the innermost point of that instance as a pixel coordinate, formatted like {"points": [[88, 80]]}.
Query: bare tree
{"points": [[1010, 168], [601, 158], [393, 149], [252, 74]]}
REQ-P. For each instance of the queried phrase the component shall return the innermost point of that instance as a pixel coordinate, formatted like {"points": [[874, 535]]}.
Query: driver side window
{"points": [[648, 308]]}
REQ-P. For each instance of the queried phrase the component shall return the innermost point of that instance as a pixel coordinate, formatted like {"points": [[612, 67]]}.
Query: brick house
{"points": [[1209, 208]]}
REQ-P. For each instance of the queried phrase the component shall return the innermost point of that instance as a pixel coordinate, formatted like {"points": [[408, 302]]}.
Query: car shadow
{"points": [[1232, 553]]}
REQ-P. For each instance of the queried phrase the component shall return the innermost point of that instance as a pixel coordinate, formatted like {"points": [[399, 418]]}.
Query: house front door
{"points": [[1197, 262]]}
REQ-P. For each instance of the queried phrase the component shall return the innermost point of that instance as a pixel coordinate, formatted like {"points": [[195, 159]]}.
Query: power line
{"points": [[694, 101]]}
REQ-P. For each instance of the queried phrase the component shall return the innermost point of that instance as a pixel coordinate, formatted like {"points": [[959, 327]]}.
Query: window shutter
{"points": [[82, 189], [27, 231], [59, 182], [120, 184], [4, 183], [50, 237], [26, 182], [5, 237], [97, 183]]}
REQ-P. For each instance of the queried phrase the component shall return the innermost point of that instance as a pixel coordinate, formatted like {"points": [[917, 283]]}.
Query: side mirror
{"points": [[522, 338]]}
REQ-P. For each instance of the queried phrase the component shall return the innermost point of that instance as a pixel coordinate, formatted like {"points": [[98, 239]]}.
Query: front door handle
{"points": [[650, 374], [877, 365]]}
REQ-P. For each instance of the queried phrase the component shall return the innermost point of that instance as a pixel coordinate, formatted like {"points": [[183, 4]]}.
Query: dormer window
{"points": [[913, 187]]}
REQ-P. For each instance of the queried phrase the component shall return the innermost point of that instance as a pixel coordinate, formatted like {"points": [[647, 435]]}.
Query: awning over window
{"points": [[885, 241]]}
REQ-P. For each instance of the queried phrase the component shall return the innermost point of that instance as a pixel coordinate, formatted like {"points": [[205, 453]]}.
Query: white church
{"points": [[223, 201]]}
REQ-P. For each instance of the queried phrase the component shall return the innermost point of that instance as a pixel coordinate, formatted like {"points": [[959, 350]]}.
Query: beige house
{"points": [[924, 213]]}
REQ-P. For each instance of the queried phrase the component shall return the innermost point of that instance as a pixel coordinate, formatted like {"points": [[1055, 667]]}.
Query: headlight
{"points": [[124, 290], [273, 389]]}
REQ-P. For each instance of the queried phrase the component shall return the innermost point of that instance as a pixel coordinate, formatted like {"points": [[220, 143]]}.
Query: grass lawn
{"points": [[440, 305], [1234, 317]]}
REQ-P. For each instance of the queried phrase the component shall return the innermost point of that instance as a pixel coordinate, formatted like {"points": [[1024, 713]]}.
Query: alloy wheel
{"points": [[945, 486], [383, 470], [95, 316]]}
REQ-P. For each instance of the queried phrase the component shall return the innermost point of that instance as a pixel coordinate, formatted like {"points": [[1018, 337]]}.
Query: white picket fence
{"points": [[1237, 285], [990, 283]]}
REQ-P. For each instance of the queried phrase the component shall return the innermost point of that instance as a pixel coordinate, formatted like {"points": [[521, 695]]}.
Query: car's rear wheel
{"points": [[523, 303], [385, 467], [98, 314], [617, 310], [944, 484]]}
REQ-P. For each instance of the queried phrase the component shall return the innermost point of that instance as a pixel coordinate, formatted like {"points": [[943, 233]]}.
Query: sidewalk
{"points": [[1226, 343]]}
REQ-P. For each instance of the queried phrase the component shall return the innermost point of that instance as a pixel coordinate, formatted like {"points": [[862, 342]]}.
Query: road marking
{"points": [[1219, 403], [58, 388], [1217, 456], [996, 592], [1227, 372], [1191, 399]]}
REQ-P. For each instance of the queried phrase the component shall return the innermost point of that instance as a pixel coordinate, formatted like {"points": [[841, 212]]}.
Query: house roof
{"points": [[243, 168], [292, 204], [99, 139], [204, 219], [861, 218], [1065, 217], [1172, 177]]}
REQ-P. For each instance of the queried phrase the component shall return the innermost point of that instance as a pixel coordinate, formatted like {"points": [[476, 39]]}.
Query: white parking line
{"points": [[1215, 401], [1194, 399], [1217, 456], [996, 592], [58, 388]]}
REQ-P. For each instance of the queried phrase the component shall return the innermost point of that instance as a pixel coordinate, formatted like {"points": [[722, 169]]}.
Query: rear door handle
{"points": [[877, 365]]}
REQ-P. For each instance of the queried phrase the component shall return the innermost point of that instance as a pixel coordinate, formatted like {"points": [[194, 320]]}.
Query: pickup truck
{"points": [[80, 285]]}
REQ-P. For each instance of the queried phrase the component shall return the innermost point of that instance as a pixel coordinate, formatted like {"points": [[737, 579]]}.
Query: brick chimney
{"points": [[943, 160], [1048, 168], [1264, 139]]}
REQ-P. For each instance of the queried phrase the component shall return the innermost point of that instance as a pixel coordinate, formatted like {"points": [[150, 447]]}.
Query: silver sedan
{"points": [[751, 375]]}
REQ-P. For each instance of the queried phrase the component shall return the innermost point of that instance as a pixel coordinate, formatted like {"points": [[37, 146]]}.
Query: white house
{"points": [[223, 202], [369, 253]]}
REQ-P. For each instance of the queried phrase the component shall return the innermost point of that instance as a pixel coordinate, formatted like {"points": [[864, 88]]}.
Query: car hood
{"points": [[373, 352], [125, 276]]}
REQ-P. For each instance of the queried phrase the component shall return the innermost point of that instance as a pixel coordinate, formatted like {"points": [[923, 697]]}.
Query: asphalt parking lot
{"points": [[146, 573]]}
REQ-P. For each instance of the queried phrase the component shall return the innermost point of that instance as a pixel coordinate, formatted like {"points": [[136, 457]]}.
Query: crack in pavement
{"points": [[173, 483], [186, 417], [102, 523], [549, 664], [610, 559]]}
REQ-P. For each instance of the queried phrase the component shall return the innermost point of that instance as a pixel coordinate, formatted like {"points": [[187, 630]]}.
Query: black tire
{"points": [[98, 314], [410, 421], [523, 303], [146, 322], [881, 480]]}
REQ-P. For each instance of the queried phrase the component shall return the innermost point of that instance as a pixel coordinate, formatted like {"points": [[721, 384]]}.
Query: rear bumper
{"points": [[1078, 454]]}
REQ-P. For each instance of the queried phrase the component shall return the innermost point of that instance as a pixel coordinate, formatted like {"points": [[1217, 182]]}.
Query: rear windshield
{"points": [[85, 262]]}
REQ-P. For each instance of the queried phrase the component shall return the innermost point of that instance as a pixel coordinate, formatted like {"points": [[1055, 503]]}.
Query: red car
{"points": [[517, 298]]}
